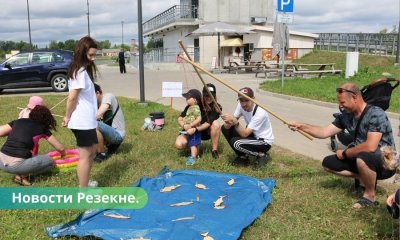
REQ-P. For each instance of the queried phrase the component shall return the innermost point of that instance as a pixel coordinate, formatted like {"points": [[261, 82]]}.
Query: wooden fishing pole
{"points": [[56, 115], [243, 95], [217, 108], [59, 103]]}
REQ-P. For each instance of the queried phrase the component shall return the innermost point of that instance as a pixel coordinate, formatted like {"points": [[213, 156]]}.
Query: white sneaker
{"points": [[93, 183]]}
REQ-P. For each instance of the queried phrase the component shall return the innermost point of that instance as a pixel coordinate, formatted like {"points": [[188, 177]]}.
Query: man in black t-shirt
{"points": [[361, 161], [121, 61]]}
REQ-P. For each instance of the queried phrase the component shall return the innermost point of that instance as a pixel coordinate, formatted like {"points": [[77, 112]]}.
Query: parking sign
{"points": [[285, 5]]}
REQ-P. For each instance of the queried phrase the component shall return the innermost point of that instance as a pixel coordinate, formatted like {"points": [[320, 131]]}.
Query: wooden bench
{"points": [[322, 68], [278, 71], [319, 72], [267, 71], [233, 66]]}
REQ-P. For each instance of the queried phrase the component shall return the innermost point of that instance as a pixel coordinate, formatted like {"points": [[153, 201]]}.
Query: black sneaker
{"points": [[100, 157], [262, 161], [240, 161], [112, 148], [215, 154]]}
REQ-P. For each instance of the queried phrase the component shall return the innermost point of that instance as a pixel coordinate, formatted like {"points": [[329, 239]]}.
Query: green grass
{"points": [[307, 202], [323, 89]]}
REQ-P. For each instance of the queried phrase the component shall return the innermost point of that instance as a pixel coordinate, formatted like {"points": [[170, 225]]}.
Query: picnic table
{"points": [[247, 66], [294, 69], [312, 68]]}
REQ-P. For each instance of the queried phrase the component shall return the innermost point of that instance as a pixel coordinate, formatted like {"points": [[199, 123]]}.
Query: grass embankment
{"points": [[307, 202], [323, 89]]}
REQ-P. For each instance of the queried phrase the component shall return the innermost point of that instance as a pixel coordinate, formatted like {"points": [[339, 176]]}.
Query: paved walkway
{"points": [[288, 108]]}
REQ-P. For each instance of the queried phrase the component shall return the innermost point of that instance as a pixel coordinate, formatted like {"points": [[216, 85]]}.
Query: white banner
{"points": [[172, 89]]}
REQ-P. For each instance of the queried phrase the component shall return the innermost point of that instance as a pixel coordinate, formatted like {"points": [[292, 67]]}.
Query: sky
{"points": [[61, 20]]}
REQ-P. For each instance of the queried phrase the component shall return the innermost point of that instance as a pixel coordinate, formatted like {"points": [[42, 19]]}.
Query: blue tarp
{"points": [[244, 202]]}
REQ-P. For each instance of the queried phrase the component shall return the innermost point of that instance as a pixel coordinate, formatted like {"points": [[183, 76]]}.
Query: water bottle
{"points": [[93, 183]]}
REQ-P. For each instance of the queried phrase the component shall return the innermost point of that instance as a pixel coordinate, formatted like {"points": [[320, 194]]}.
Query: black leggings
{"points": [[244, 145], [372, 160]]}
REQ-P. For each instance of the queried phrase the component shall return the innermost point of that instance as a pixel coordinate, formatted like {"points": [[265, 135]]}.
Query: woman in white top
{"points": [[81, 110]]}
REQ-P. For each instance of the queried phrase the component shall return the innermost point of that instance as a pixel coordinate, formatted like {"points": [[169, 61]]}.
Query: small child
{"points": [[193, 119], [390, 157], [33, 102]]}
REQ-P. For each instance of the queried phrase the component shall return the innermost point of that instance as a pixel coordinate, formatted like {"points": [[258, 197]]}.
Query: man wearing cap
{"points": [[254, 139], [33, 102]]}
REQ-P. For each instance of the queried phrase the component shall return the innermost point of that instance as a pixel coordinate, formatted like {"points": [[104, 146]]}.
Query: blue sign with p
{"points": [[285, 5]]}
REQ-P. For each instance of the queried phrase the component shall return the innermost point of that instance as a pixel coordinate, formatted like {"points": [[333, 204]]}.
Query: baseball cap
{"points": [[34, 101], [210, 88], [246, 91], [193, 93]]}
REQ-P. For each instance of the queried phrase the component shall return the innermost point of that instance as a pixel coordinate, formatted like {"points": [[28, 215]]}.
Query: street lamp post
{"points": [[29, 25], [141, 52], [398, 40], [122, 25], [88, 22]]}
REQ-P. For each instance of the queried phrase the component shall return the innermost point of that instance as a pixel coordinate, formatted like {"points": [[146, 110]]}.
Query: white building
{"points": [[177, 22]]}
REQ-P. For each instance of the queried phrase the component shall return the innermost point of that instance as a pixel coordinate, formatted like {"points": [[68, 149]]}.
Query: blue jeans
{"points": [[34, 165], [110, 134]]}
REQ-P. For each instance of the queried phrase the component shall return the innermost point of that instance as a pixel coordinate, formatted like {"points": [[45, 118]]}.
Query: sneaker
{"points": [[215, 154], [100, 157], [240, 160], [112, 148], [191, 161], [93, 183], [262, 161]]}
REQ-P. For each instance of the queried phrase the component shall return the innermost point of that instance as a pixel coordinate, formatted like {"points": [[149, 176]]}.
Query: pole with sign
{"points": [[285, 5], [283, 8]]}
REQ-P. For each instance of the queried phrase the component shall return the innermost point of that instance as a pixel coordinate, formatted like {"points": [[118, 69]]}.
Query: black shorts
{"points": [[85, 138], [205, 134], [372, 160]]}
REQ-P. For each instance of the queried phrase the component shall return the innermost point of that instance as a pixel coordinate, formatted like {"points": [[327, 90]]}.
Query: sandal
{"points": [[365, 202], [23, 181]]}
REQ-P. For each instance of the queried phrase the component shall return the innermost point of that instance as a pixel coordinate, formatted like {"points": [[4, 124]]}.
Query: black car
{"points": [[42, 68]]}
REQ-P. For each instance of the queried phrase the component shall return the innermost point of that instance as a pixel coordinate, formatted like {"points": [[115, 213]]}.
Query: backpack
{"points": [[379, 92], [108, 116]]}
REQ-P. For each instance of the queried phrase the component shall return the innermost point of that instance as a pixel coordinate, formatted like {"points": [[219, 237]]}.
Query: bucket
{"points": [[157, 118]]}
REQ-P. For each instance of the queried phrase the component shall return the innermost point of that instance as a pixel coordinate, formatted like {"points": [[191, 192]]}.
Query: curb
{"points": [[312, 101]]}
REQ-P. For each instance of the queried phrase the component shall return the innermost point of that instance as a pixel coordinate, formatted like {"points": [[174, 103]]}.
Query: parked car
{"points": [[42, 68]]}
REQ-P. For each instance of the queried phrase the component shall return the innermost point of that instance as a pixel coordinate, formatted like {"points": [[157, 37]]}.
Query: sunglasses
{"points": [[342, 90]]}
